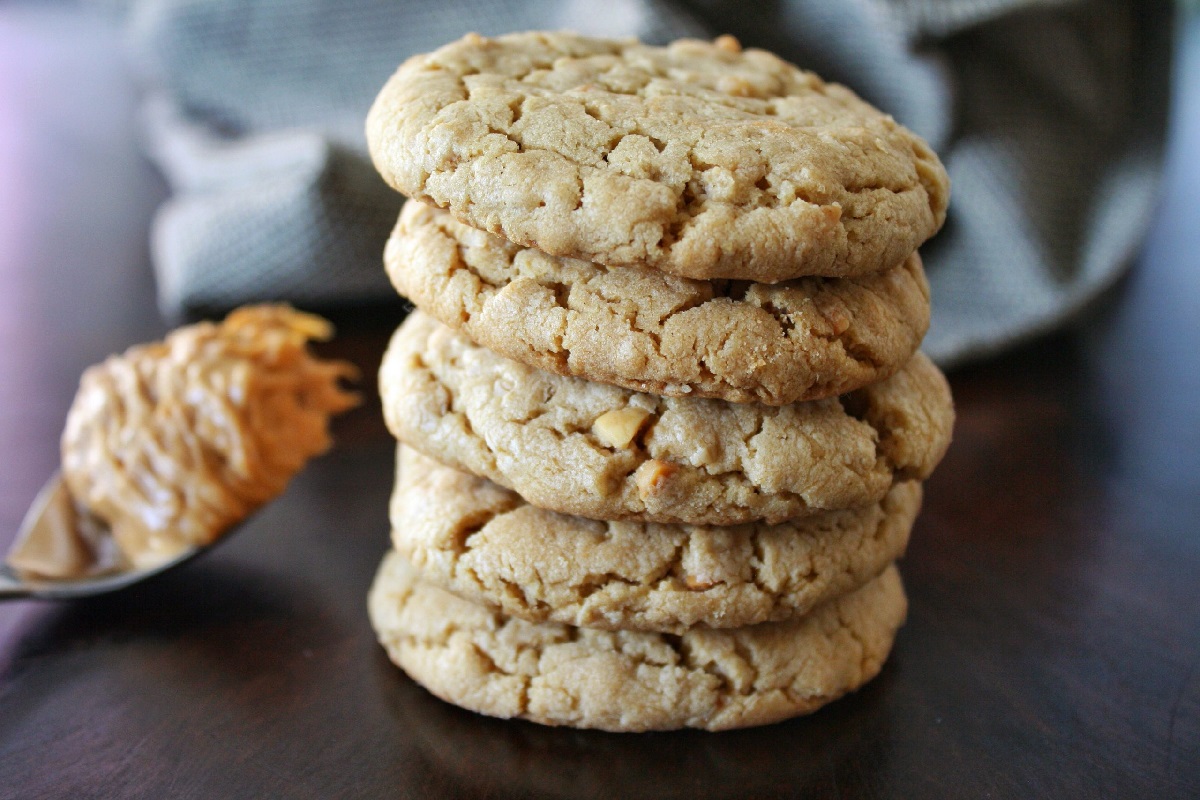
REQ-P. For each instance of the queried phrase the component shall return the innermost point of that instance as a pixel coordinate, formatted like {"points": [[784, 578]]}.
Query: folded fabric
{"points": [[1049, 115]]}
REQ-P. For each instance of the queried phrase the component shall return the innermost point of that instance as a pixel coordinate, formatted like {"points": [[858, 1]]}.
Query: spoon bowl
{"points": [[14, 585]]}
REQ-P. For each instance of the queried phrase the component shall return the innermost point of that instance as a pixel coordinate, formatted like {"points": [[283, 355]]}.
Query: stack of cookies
{"points": [[662, 416]]}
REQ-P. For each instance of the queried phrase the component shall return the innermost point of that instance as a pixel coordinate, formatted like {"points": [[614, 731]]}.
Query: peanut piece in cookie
{"points": [[619, 427], [652, 477]]}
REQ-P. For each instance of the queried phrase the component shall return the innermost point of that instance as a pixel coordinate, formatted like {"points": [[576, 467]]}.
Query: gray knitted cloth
{"points": [[1049, 115]]}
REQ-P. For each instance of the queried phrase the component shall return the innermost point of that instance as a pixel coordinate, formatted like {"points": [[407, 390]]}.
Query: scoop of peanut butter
{"points": [[171, 443]]}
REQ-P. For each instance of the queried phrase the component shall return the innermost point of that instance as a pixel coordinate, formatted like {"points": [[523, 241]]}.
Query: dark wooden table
{"points": [[1052, 648]]}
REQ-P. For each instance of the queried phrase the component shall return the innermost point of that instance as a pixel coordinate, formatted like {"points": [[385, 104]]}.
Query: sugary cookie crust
{"points": [[652, 332], [632, 681], [486, 544], [698, 158], [692, 460]]}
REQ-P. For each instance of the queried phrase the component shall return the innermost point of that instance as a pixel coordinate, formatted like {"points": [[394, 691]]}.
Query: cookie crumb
{"points": [[728, 43], [735, 86]]}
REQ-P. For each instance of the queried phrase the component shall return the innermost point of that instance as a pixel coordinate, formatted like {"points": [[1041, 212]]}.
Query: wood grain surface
{"points": [[1053, 643]]}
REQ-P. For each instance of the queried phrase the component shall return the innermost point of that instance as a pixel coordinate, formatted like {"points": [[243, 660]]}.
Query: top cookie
{"points": [[698, 158]]}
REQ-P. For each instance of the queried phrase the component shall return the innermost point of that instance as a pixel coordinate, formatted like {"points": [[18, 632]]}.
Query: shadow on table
{"points": [[200, 611]]}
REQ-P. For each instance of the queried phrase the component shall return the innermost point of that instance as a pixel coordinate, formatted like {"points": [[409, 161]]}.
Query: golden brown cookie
{"points": [[698, 159], [604, 452], [653, 332], [486, 544], [632, 681]]}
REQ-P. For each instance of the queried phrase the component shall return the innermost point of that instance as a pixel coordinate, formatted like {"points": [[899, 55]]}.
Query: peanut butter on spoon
{"points": [[170, 443]]}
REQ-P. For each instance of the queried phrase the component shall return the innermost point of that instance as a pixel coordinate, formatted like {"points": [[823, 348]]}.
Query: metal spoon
{"points": [[14, 585]]}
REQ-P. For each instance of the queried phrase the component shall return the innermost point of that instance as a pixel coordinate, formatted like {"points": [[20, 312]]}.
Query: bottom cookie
{"points": [[557, 674]]}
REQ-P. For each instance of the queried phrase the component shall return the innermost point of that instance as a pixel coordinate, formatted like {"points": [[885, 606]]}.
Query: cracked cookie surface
{"points": [[652, 332], [629, 680], [605, 452], [486, 544], [698, 159]]}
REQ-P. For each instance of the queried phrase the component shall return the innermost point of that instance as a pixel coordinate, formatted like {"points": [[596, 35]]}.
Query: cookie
{"points": [[604, 452], [486, 544], [698, 159], [632, 681], [653, 332]]}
